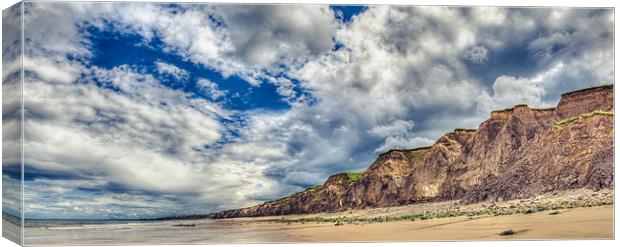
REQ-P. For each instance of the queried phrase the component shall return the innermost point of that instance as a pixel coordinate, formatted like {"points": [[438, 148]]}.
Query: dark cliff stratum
{"points": [[516, 153]]}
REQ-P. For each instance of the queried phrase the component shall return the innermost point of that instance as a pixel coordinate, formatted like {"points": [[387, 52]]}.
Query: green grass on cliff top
{"points": [[353, 176]]}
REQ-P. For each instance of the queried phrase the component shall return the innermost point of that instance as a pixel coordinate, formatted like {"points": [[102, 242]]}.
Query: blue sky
{"points": [[113, 49], [140, 110]]}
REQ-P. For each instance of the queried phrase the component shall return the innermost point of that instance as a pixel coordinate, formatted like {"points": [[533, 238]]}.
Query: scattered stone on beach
{"points": [[507, 232], [185, 225]]}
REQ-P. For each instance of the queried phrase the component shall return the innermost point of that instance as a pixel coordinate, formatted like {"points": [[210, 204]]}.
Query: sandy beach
{"points": [[577, 223], [584, 221]]}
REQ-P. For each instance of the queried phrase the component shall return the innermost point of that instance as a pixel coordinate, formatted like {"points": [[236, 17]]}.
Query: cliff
{"points": [[516, 153]]}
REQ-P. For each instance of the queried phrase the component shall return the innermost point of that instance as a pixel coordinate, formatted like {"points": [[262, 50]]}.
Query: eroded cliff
{"points": [[516, 153]]}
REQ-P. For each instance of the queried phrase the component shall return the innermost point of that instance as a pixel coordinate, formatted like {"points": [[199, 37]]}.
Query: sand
{"points": [[575, 223], [11, 230]]}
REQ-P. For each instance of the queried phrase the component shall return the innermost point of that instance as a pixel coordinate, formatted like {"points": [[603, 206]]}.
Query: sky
{"points": [[138, 110]]}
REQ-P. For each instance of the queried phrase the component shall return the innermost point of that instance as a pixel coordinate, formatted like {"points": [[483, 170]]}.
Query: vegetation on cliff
{"points": [[353, 176], [560, 124]]}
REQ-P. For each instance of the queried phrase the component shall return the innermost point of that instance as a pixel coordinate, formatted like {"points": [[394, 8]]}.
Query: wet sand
{"points": [[575, 223], [11, 230]]}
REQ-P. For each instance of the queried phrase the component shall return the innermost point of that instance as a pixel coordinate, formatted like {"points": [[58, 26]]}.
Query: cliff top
{"points": [[405, 150], [600, 87]]}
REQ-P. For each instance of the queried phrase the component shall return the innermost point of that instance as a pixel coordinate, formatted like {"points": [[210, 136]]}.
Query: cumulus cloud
{"points": [[172, 70], [211, 88], [119, 132], [509, 91], [126, 137], [261, 35], [477, 54], [398, 135], [397, 127], [252, 41]]}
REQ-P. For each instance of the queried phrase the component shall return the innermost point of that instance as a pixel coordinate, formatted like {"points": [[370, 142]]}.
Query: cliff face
{"points": [[516, 153], [585, 100]]}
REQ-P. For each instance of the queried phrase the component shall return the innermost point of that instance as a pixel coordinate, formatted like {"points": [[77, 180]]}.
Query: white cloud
{"points": [[489, 15], [136, 111], [53, 71], [211, 88], [397, 127], [172, 70], [256, 39], [144, 137], [509, 91], [477, 54], [398, 135], [281, 34]]}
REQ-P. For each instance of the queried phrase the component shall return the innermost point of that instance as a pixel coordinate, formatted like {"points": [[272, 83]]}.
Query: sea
{"points": [[76, 222], [131, 232]]}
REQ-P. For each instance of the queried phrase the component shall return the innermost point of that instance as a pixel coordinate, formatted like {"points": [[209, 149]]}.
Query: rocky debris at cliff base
{"points": [[566, 201], [547, 202]]}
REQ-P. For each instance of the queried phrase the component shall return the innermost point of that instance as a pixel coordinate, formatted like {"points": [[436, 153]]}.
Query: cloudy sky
{"points": [[140, 110]]}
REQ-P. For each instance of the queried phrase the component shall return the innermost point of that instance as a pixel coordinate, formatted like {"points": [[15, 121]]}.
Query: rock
{"points": [[517, 153]]}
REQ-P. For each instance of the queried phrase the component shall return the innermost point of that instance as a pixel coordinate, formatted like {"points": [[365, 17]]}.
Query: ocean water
{"points": [[69, 223], [131, 232]]}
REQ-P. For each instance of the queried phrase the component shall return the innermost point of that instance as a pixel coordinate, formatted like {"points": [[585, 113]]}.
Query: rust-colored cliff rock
{"points": [[516, 153]]}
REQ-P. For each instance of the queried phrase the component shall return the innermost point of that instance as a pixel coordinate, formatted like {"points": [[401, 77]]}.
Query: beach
{"points": [[585, 218], [577, 223]]}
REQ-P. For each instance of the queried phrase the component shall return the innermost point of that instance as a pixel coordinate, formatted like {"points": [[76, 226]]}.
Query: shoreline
{"points": [[575, 214]]}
